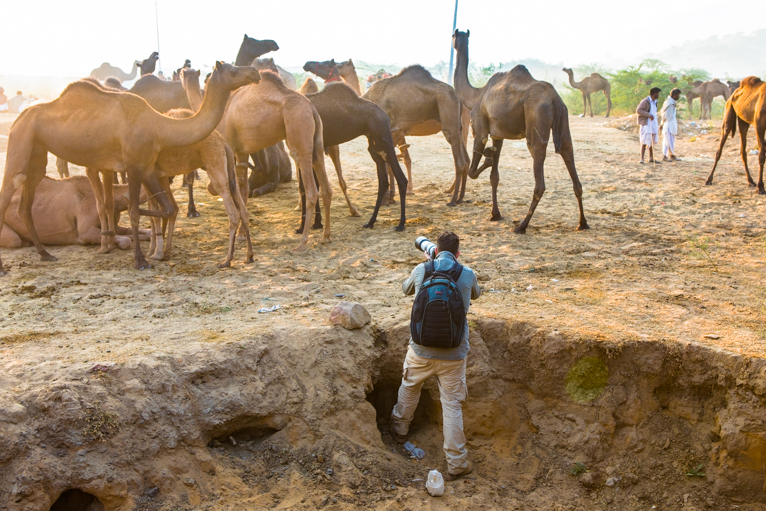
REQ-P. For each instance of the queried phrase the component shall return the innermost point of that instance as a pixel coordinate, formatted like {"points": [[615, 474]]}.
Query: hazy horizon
{"points": [[69, 41]]}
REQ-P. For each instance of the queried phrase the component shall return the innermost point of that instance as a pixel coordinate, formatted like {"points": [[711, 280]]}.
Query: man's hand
{"points": [[651, 117]]}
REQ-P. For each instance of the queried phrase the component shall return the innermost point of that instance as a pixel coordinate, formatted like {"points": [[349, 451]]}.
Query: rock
{"points": [[152, 492], [612, 481], [590, 480], [189, 482], [350, 315]]}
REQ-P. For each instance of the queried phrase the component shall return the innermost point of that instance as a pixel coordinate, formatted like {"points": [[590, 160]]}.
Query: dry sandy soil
{"points": [[668, 263]]}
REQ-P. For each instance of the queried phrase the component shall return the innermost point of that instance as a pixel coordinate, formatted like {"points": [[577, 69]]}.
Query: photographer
{"points": [[448, 364]]}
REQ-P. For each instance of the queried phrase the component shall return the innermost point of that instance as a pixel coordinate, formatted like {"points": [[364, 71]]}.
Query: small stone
{"points": [[152, 492], [589, 480], [320, 458], [612, 481], [329, 471], [350, 315], [215, 443], [712, 336], [231, 439], [189, 481]]}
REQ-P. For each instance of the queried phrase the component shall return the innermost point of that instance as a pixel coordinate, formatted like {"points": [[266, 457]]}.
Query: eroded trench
{"points": [[299, 420]]}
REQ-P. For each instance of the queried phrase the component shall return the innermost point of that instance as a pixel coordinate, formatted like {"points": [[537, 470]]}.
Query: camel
{"points": [[515, 106], [590, 84], [65, 214], [746, 107], [260, 116], [331, 72], [346, 116], [107, 131], [706, 91], [348, 74], [286, 76], [251, 49], [105, 71], [177, 73], [309, 87], [420, 105], [732, 85], [149, 65]]}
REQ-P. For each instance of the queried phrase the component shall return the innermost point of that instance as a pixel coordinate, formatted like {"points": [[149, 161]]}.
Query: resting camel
{"points": [[420, 105], [346, 116], [515, 106], [590, 84], [706, 91], [109, 132], [106, 70], [746, 107], [260, 116], [251, 49], [65, 214], [149, 65], [286, 76]]}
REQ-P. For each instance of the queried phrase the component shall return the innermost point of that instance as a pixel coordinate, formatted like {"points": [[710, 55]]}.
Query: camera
{"points": [[422, 243]]}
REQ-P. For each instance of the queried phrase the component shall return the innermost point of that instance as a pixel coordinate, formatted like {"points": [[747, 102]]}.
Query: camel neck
{"points": [[467, 93], [572, 81], [352, 80], [189, 131], [133, 72], [193, 93]]}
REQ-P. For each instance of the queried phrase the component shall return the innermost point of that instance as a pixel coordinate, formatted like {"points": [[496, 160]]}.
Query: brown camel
{"points": [[251, 49], [286, 76], [732, 85], [106, 70], [590, 84], [707, 91], [65, 214], [108, 131], [515, 106], [309, 87], [420, 105], [149, 65], [746, 107], [260, 116]]}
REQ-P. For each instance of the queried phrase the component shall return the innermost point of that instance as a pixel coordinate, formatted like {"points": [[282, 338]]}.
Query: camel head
{"points": [[189, 74], [460, 39], [346, 66], [325, 70], [254, 48], [232, 77], [567, 71], [261, 64], [148, 66]]}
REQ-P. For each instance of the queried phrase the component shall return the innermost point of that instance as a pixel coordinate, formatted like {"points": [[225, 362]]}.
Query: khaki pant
{"points": [[451, 377]]}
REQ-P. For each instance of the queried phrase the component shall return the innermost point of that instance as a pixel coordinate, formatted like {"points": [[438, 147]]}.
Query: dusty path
{"points": [[666, 263]]}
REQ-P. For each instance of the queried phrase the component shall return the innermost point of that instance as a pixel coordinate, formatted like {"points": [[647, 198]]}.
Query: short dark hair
{"points": [[675, 91], [654, 90], [448, 242]]}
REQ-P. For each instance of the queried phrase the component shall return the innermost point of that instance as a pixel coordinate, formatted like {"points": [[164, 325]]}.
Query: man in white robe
{"points": [[670, 126], [647, 121]]}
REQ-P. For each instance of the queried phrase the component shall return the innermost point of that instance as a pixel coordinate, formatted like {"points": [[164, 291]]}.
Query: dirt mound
{"points": [[288, 421]]}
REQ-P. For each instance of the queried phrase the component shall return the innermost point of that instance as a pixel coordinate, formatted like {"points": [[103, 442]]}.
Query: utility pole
{"points": [[157, 24], [451, 49]]}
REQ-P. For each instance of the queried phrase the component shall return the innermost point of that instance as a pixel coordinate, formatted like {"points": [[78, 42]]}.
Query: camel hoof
{"points": [[751, 184], [355, 212], [156, 257], [451, 204], [761, 191], [410, 189], [103, 250], [399, 228], [317, 226], [3, 272], [583, 227], [249, 259], [141, 264], [496, 218], [48, 257], [226, 264], [192, 214], [300, 248], [325, 239], [519, 230], [299, 230], [369, 225]]}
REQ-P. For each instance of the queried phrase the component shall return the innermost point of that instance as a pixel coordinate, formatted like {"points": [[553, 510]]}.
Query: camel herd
{"points": [[251, 112]]}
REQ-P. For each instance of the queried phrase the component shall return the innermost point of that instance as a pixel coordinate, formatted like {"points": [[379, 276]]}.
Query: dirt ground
{"points": [[667, 259]]}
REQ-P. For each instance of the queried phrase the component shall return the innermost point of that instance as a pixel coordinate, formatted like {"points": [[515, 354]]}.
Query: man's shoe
{"points": [[399, 439], [449, 476]]}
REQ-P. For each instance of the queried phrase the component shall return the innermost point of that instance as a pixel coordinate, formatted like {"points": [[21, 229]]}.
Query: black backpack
{"points": [[438, 314]]}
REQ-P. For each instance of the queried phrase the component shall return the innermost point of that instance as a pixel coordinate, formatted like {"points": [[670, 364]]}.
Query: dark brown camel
{"points": [[149, 65], [108, 131], [251, 49], [515, 106], [420, 105], [746, 107], [346, 116]]}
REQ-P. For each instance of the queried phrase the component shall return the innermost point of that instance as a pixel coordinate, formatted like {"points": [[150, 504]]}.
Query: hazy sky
{"points": [[69, 38]]}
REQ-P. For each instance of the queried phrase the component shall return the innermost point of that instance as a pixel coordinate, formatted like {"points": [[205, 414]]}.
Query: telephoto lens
{"points": [[422, 243]]}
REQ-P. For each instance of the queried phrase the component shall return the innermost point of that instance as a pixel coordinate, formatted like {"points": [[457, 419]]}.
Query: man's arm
{"points": [[475, 289], [415, 278], [644, 113]]}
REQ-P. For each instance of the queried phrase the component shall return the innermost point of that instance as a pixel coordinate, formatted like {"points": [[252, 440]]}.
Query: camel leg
{"points": [[35, 173], [494, 178], [63, 167], [334, 153], [155, 190], [170, 222], [608, 95], [191, 209], [236, 209], [537, 149], [157, 243], [308, 191], [761, 133], [460, 155], [94, 176], [567, 154], [729, 118], [382, 152], [109, 210], [320, 174], [743, 129], [584, 104]]}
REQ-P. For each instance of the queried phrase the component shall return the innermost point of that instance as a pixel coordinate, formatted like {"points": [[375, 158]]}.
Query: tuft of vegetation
{"points": [[697, 471], [99, 425], [701, 249], [577, 469]]}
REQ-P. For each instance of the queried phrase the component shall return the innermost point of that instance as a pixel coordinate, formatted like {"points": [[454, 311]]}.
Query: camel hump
{"points": [[416, 69], [715, 80], [596, 75], [751, 81], [521, 72]]}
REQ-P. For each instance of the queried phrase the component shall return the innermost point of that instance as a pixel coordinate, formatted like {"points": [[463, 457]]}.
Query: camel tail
{"points": [[231, 172], [560, 124], [729, 119]]}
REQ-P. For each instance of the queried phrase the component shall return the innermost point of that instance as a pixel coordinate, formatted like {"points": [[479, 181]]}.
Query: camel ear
{"points": [[350, 61], [456, 31], [218, 65], [245, 37], [333, 62], [468, 33]]}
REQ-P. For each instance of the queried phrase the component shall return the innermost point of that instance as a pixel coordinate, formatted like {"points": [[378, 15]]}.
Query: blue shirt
{"points": [[469, 288]]}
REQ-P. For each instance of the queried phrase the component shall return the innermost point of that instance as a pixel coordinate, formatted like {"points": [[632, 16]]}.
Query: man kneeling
{"points": [[438, 347]]}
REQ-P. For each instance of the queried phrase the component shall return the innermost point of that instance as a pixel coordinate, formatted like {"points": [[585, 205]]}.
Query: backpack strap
{"points": [[428, 266], [456, 271]]}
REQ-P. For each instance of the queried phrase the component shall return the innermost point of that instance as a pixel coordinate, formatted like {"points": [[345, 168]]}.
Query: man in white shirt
{"points": [[670, 126], [647, 122]]}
